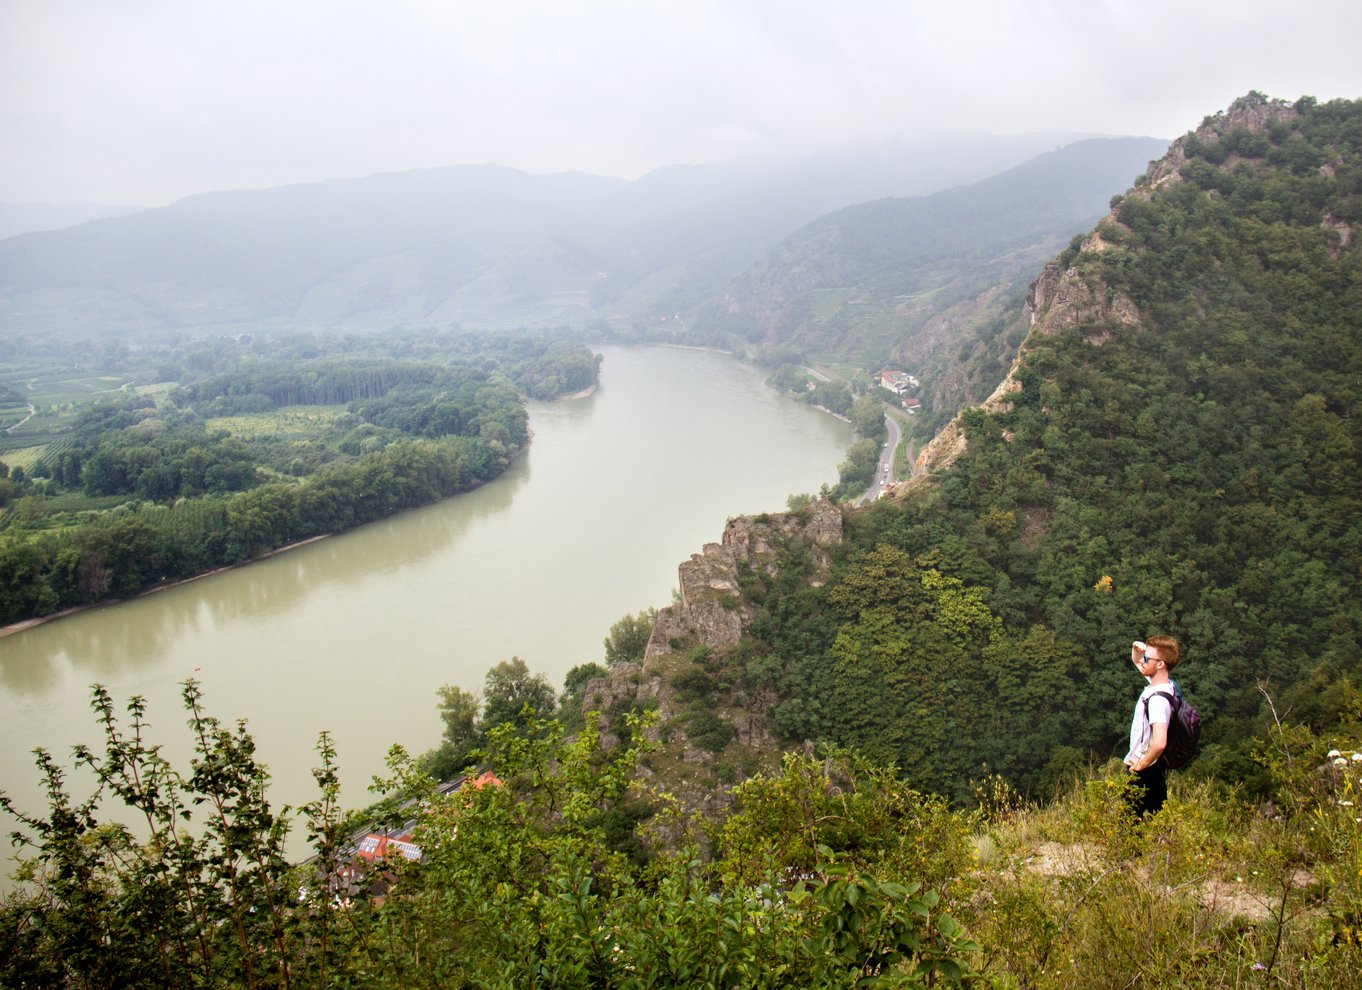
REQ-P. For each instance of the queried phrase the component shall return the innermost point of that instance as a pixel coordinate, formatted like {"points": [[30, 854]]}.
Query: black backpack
{"points": [[1184, 730]]}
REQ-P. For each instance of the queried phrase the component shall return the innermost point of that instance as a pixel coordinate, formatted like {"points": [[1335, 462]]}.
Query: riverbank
{"points": [[25, 624], [834, 415]]}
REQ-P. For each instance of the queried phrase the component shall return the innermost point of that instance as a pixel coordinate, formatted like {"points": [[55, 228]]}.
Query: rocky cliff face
{"points": [[711, 610], [708, 621], [1059, 298]]}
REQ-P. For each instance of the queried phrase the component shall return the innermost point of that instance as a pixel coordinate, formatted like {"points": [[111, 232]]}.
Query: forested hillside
{"points": [[1176, 450]]}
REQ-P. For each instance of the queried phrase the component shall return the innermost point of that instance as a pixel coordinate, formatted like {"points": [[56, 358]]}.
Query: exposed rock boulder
{"points": [[1058, 299], [708, 621], [711, 611]]}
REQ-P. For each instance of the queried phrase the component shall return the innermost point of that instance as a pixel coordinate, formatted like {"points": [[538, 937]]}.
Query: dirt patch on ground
{"points": [[1236, 899], [1226, 896], [1054, 859]]}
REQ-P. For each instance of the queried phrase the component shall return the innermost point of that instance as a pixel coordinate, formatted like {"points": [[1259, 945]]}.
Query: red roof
{"points": [[376, 846]]}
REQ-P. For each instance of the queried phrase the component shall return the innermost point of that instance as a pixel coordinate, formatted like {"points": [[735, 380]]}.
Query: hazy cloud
{"points": [[148, 100]]}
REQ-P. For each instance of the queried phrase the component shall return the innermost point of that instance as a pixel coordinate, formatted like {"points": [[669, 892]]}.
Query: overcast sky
{"points": [[145, 101]]}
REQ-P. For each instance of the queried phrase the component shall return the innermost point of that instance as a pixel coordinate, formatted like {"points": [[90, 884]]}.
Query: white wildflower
{"points": [[1357, 757], [1332, 753], [1340, 762]]}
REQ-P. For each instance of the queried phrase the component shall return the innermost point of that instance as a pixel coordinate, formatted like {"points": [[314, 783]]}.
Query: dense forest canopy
{"points": [[210, 455]]}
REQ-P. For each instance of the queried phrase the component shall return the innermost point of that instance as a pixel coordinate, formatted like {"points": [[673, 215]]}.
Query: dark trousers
{"points": [[1148, 789]]}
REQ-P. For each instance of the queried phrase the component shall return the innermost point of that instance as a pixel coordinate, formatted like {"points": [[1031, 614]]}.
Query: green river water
{"points": [[354, 633]]}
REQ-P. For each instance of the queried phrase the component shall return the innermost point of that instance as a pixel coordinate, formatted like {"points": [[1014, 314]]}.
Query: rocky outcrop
{"points": [[623, 686], [711, 610], [1341, 229], [712, 614], [1060, 298], [951, 442], [1252, 113], [1065, 297]]}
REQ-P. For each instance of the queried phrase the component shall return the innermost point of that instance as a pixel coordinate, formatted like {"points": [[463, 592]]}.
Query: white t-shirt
{"points": [[1160, 710]]}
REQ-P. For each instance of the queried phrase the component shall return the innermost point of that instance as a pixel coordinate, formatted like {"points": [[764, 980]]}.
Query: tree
{"points": [[201, 895], [24, 588], [459, 712], [119, 558], [574, 691], [867, 416], [834, 396], [510, 689], [629, 638], [858, 470], [462, 735]]}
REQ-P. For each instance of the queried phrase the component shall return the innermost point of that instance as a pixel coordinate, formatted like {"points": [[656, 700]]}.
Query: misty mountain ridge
{"points": [[479, 245], [906, 240], [23, 218]]}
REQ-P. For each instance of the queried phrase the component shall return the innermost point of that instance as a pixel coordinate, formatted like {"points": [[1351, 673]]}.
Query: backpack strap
{"points": [[1172, 714], [1174, 701]]}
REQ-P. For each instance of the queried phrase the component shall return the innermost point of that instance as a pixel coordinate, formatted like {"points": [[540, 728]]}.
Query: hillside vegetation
{"points": [[1177, 449], [822, 873]]}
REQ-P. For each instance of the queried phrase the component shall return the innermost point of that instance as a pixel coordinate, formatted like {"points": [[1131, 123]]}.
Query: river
{"points": [[354, 634]]}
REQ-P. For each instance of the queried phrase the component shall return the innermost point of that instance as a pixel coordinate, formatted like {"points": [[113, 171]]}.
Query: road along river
{"points": [[354, 634]]}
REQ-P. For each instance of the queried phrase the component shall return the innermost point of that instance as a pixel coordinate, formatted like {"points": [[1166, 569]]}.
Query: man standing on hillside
{"points": [[1149, 726]]}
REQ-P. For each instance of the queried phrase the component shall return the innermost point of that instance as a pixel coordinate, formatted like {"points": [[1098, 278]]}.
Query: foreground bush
{"points": [[524, 882]]}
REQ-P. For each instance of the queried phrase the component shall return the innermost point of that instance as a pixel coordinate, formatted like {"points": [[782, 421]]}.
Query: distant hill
{"points": [[919, 281], [22, 218], [394, 246], [681, 233], [472, 245]]}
